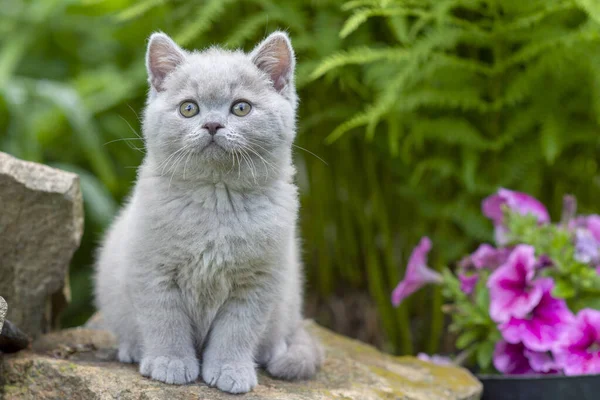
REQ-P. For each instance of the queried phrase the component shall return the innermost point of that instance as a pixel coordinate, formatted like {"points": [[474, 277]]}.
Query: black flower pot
{"points": [[545, 387]]}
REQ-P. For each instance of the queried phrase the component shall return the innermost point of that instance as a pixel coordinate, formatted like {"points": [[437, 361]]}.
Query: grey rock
{"points": [[41, 224], [3, 310], [79, 364]]}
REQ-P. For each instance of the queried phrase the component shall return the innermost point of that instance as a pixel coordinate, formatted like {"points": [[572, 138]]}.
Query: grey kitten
{"points": [[202, 262]]}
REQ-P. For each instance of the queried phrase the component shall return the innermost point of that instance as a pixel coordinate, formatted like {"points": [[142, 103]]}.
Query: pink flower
{"points": [[587, 249], [522, 203], [513, 292], [417, 273], [516, 359], [435, 359], [578, 350], [542, 327], [541, 361], [468, 282], [489, 257], [510, 359], [592, 223]]}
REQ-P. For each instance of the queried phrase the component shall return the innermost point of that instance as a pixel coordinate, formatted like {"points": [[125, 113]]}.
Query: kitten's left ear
{"points": [[275, 56]]}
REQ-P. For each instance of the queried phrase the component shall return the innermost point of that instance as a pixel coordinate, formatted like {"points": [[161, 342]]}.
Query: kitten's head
{"points": [[219, 114]]}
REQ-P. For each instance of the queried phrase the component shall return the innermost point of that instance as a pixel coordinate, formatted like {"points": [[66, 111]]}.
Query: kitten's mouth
{"points": [[213, 147]]}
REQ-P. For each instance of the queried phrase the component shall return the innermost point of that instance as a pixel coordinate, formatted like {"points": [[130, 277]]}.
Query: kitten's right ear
{"points": [[162, 57]]}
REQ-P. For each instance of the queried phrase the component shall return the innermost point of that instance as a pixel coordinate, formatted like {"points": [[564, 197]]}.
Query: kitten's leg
{"points": [[168, 350], [228, 360], [130, 350], [301, 358]]}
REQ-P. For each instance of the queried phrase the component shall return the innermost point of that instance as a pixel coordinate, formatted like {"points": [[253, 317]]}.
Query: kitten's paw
{"points": [[172, 370], [231, 377], [129, 353]]}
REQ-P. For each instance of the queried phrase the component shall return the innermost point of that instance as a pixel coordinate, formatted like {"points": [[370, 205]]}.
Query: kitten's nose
{"points": [[212, 127]]}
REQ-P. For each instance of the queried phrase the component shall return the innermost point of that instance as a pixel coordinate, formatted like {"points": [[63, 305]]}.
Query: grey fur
{"points": [[202, 262]]}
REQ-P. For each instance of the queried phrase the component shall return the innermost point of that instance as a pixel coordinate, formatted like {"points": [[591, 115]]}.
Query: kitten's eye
{"points": [[241, 108], [188, 109]]}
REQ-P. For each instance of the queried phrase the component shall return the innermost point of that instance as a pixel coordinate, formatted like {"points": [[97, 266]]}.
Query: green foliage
{"points": [[462, 97], [454, 98], [477, 333]]}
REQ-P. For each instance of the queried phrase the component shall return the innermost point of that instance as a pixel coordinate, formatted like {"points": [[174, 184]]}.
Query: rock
{"points": [[79, 364], [41, 224], [12, 339], [3, 309]]}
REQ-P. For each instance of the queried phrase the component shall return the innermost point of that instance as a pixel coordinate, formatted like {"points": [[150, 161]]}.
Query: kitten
{"points": [[202, 262]]}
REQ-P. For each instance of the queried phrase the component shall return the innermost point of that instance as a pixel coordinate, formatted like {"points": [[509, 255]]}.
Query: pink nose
{"points": [[212, 127]]}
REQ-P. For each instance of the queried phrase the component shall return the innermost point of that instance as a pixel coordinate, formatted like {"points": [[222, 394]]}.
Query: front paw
{"points": [[169, 369], [231, 377]]}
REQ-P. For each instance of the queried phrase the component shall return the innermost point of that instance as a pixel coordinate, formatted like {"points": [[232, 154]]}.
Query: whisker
{"points": [[189, 153], [310, 152], [134, 113]]}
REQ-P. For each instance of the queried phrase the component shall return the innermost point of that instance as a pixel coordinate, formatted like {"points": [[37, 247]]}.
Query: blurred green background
{"points": [[419, 109]]}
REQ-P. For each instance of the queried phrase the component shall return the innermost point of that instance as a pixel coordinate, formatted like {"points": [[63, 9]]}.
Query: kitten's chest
{"points": [[220, 231]]}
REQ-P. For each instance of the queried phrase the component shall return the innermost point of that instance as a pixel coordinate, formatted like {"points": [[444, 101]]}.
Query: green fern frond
{"points": [[354, 122], [350, 5], [443, 167], [452, 131], [137, 10], [536, 17], [592, 7], [207, 15], [360, 55], [362, 15], [585, 34], [248, 29], [465, 99]]}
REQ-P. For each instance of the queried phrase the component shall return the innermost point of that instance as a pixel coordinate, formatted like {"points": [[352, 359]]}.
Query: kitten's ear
{"points": [[162, 57], [275, 56]]}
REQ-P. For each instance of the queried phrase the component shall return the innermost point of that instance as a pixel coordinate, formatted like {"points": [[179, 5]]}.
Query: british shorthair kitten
{"points": [[199, 273]]}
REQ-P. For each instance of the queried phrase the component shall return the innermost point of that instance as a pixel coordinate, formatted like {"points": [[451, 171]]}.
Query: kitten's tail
{"points": [[303, 357]]}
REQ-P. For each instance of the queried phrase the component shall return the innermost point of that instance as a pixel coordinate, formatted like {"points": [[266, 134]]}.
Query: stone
{"points": [[12, 339], [79, 364], [3, 310], [41, 224]]}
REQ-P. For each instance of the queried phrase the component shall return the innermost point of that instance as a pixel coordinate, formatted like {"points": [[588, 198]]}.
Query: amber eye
{"points": [[241, 108], [188, 109]]}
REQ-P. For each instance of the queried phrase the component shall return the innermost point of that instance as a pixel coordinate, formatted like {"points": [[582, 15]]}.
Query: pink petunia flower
{"points": [[510, 359], [522, 203], [542, 362], [516, 359], [540, 328], [592, 223], [467, 282], [417, 273], [587, 249], [489, 257], [513, 292], [578, 350]]}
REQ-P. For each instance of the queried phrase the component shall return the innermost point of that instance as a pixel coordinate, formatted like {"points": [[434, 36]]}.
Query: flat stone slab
{"points": [[79, 364], [41, 223]]}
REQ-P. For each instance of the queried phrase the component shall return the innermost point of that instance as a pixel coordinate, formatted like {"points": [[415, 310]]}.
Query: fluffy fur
{"points": [[202, 262]]}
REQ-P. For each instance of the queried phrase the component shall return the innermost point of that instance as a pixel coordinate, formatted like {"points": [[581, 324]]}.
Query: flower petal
{"points": [[417, 273], [545, 324], [510, 359], [512, 292]]}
